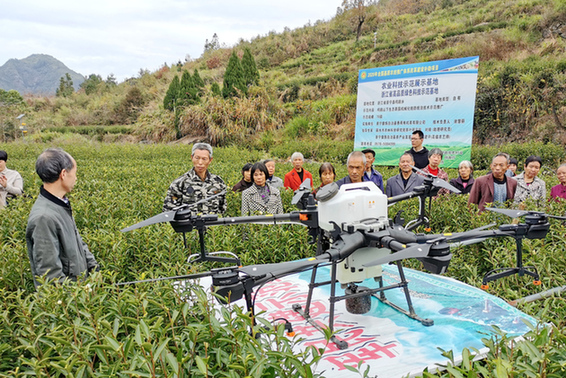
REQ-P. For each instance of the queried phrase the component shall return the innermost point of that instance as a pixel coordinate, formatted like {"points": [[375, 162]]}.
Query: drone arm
{"points": [[401, 197], [392, 244], [480, 235], [296, 217], [344, 246], [183, 277]]}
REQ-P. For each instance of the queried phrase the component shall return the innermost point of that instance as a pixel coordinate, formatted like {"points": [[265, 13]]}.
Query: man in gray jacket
{"points": [[55, 248], [406, 180]]}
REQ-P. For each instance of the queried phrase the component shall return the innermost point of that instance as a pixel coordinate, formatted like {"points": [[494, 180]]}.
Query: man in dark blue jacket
{"points": [[371, 174]]}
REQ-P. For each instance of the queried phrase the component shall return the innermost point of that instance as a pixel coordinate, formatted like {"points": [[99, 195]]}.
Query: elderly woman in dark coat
{"points": [[465, 178], [261, 198]]}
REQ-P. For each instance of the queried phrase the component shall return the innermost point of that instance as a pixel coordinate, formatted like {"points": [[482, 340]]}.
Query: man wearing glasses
{"points": [[419, 152]]}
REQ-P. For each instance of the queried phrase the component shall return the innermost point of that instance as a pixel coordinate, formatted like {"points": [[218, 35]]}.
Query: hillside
{"points": [[38, 74], [309, 77]]}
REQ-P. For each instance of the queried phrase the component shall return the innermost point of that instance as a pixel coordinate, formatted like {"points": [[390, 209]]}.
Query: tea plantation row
{"points": [[96, 329]]}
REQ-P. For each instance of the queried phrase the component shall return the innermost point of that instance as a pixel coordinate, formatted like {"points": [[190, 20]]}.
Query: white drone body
{"points": [[356, 206]]}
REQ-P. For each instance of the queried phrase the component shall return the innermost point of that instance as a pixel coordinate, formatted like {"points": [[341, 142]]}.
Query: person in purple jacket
{"points": [[559, 191]]}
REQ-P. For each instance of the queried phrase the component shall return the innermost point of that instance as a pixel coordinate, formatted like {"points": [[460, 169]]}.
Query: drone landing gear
{"points": [[498, 273], [357, 299], [340, 344], [521, 270], [200, 225], [404, 285]]}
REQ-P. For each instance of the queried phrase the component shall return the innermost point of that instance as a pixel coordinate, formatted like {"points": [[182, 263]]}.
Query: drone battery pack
{"points": [[352, 203]]}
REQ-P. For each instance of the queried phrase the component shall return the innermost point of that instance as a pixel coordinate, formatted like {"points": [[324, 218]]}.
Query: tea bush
{"points": [[97, 329], [552, 155]]}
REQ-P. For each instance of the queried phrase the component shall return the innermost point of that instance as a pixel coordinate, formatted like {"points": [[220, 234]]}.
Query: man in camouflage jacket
{"points": [[198, 184]]}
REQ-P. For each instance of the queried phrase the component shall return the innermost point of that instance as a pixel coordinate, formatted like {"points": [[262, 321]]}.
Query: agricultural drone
{"points": [[355, 237]]}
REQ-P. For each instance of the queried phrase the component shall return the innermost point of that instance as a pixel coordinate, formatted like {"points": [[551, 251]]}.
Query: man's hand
{"points": [[3, 181]]}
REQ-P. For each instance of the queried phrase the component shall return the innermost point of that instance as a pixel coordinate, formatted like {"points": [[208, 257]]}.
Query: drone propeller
{"points": [[443, 184], [304, 188], [168, 216], [416, 251], [437, 181], [519, 213], [509, 212], [342, 248]]}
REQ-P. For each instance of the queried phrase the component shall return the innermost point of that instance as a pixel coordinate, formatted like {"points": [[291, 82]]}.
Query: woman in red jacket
{"points": [[298, 174]]}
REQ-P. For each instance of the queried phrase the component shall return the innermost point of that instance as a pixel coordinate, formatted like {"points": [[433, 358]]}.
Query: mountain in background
{"points": [[37, 74]]}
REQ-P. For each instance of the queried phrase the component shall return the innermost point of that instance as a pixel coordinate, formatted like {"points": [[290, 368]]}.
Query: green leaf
{"points": [[116, 326], [172, 361], [100, 353], [113, 343], [159, 350], [351, 368], [137, 336], [201, 365]]}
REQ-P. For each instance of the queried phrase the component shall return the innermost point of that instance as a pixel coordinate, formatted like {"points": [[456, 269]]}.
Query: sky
{"points": [[120, 37]]}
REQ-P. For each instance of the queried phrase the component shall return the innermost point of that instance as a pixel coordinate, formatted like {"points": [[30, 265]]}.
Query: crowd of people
{"points": [[56, 250], [261, 189]]}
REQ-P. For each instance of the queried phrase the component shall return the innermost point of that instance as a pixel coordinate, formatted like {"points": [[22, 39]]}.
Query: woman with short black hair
{"points": [[327, 175], [261, 198], [528, 184], [246, 180]]}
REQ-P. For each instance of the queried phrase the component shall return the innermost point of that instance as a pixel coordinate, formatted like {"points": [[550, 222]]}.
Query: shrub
{"points": [[94, 327], [552, 155]]}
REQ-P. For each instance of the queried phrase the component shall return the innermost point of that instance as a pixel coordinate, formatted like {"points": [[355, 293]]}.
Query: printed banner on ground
{"points": [[435, 97], [390, 343]]}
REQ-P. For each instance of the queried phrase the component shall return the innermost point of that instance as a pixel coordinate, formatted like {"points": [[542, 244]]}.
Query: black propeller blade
{"points": [[443, 184], [183, 277], [509, 212], [519, 213], [436, 181], [304, 188], [277, 269], [168, 216]]}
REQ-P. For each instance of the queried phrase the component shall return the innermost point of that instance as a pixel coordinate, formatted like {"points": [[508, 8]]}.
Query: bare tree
{"points": [[358, 10]]}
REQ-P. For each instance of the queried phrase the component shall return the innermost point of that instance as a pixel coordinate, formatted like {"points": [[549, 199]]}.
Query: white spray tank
{"points": [[350, 203], [347, 206]]}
